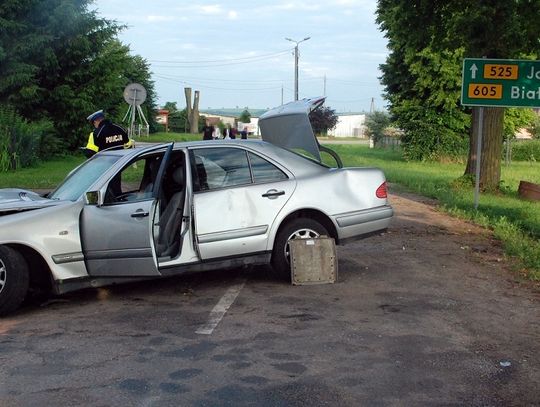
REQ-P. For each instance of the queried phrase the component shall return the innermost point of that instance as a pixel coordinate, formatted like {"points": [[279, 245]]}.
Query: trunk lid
{"points": [[288, 126]]}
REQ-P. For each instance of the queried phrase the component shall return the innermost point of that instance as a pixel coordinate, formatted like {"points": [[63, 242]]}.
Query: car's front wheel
{"points": [[14, 279], [299, 228]]}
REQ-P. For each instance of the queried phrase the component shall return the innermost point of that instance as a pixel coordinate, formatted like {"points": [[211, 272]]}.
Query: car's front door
{"points": [[239, 195], [117, 236]]}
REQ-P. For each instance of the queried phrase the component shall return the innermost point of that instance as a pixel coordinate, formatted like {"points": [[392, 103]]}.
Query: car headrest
{"points": [[178, 175]]}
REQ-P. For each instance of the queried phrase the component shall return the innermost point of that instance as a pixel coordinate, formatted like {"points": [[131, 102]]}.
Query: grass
{"points": [[514, 221], [45, 175], [163, 137]]}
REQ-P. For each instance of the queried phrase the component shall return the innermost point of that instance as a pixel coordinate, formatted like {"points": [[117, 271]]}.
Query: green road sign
{"points": [[500, 82]]}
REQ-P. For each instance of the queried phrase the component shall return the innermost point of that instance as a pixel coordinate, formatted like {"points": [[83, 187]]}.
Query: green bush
{"points": [[431, 135], [23, 143], [50, 145], [526, 150]]}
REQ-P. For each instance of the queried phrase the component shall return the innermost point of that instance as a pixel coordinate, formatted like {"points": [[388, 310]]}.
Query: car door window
{"points": [[221, 168], [135, 182], [264, 171]]}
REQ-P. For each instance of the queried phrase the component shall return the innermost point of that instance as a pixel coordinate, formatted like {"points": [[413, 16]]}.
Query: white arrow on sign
{"points": [[473, 71]]}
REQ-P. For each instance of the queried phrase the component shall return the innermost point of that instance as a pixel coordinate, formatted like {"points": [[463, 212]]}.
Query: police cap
{"points": [[95, 116]]}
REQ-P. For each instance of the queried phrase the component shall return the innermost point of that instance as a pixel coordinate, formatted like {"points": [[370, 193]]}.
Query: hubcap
{"points": [[299, 234], [2, 275]]}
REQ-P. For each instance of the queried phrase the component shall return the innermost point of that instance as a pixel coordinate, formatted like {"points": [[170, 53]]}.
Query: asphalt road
{"points": [[426, 314]]}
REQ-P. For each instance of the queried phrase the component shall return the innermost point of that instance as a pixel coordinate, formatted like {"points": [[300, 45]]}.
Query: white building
{"points": [[230, 116], [349, 125]]}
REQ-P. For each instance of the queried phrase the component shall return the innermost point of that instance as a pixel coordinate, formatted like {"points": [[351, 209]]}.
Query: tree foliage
{"points": [[19, 140], [171, 107], [376, 123], [245, 117], [323, 119], [59, 62], [515, 119], [422, 74], [178, 120], [534, 128]]}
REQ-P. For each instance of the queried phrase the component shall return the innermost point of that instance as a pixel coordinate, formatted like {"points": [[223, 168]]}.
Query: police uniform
{"points": [[106, 136]]}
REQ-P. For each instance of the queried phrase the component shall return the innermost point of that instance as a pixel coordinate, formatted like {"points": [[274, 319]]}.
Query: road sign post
{"points": [[498, 83]]}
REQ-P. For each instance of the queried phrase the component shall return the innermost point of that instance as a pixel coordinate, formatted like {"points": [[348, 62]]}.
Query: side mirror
{"points": [[93, 198]]}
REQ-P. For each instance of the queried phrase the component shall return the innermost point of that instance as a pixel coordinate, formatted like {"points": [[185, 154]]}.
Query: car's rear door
{"points": [[117, 237], [238, 195]]}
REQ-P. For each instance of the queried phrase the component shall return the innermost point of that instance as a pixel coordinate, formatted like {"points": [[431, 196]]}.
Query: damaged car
{"points": [[163, 210]]}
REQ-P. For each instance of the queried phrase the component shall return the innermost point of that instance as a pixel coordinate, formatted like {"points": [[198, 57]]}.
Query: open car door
{"points": [[117, 230]]}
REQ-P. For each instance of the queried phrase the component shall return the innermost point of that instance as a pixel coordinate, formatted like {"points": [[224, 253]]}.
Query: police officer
{"points": [[105, 135]]}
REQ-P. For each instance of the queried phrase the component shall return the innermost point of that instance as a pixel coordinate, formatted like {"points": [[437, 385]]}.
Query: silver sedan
{"points": [[181, 207]]}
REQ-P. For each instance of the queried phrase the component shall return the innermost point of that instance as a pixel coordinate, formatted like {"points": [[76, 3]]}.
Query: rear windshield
{"points": [[83, 177]]}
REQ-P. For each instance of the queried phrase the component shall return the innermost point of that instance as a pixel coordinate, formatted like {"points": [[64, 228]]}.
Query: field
{"points": [[514, 221]]}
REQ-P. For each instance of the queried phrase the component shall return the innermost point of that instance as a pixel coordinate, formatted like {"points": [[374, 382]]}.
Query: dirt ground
{"points": [[429, 313]]}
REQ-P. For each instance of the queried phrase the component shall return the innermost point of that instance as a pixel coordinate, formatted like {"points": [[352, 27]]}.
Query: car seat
{"points": [[168, 242]]}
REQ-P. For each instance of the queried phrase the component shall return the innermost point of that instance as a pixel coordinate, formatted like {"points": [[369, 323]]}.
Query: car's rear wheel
{"points": [[14, 279], [299, 228]]}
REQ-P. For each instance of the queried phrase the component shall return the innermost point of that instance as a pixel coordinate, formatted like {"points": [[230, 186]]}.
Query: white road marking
{"points": [[220, 309]]}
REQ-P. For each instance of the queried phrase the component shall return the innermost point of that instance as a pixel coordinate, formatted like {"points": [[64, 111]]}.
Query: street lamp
{"points": [[296, 64]]}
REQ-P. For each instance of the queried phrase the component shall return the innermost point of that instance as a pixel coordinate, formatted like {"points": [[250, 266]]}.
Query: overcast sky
{"points": [[236, 55]]}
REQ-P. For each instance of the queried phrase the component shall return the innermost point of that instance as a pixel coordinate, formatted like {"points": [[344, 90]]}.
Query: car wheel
{"points": [[300, 228], [14, 278]]}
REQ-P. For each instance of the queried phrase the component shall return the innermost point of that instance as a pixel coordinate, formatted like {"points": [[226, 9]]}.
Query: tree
{"points": [[376, 123], [516, 119], [59, 61], [323, 119], [534, 127], [178, 121], [170, 106], [425, 96], [192, 113], [502, 29], [422, 79], [245, 117]]}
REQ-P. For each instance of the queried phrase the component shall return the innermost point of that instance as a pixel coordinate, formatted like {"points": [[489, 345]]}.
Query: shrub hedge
{"points": [[22, 144], [528, 150]]}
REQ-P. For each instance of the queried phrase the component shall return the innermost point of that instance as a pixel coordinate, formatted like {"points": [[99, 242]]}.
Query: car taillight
{"points": [[381, 192]]}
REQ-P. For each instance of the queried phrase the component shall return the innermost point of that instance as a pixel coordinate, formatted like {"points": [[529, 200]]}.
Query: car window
{"points": [[221, 167], [83, 177], [135, 182], [264, 171]]}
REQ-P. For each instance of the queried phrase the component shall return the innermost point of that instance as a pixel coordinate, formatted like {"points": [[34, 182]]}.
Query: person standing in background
{"points": [[208, 131]]}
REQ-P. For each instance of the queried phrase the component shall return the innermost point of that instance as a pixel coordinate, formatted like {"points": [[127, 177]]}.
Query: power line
{"points": [[219, 62], [312, 79], [220, 80], [217, 88]]}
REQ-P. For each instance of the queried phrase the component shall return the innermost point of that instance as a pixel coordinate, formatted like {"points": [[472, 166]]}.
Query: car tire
{"points": [[302, 228], [14, 279]]}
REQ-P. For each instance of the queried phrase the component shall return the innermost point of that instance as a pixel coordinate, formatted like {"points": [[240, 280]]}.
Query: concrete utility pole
{"points": [[296, 64]]}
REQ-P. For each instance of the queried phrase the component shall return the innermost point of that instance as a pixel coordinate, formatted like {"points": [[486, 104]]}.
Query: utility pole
{"points": [[372, 107], [296, 56], [324, 87], [281, 94]]}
